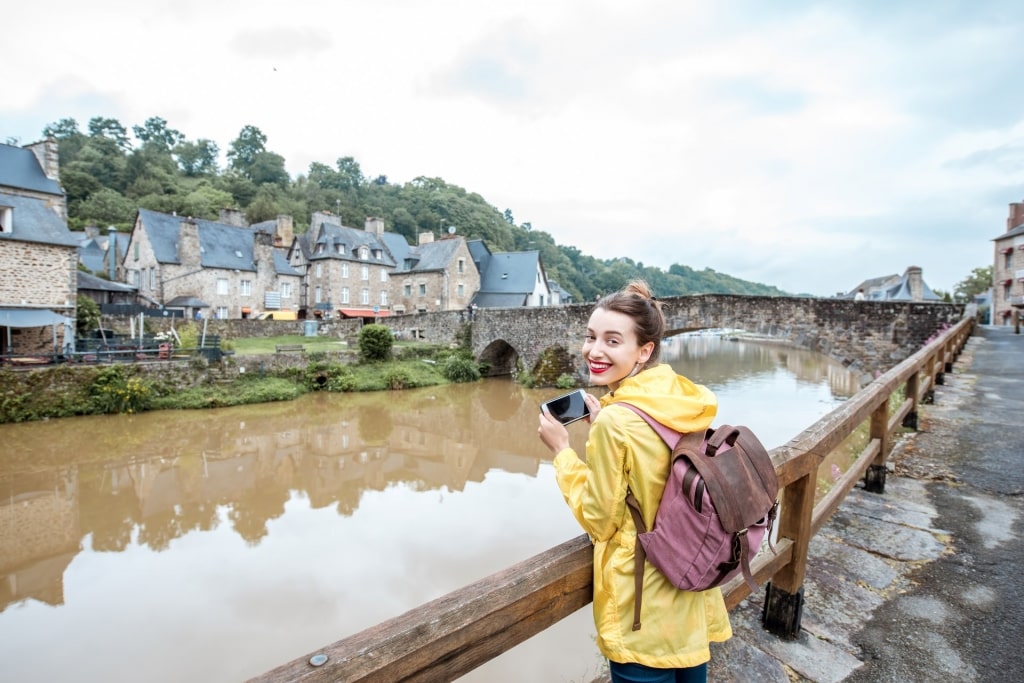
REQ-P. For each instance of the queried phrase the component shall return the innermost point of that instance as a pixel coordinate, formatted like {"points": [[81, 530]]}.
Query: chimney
{"points": [[92, 231], [285, 231], [112, 253], [426, 237], [188, 243], [916, 283], [375, 225], [235, 217], [1016, 215], [46, 154]]}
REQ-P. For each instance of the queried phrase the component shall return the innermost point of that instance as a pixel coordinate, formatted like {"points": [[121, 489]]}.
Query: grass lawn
{"points": [[251, 345]]}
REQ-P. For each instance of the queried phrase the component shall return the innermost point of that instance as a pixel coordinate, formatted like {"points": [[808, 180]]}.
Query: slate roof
{"points": [[87, 281], [427, 257], [220, 245], [19, 168], [34, 221], [333, 234], [1019, 230], [511, 272]]}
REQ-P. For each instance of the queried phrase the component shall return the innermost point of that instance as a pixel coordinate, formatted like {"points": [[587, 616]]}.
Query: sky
{"points": [[804, 145]]}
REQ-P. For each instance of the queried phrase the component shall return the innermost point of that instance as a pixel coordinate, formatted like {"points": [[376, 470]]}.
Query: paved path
{"points": [[923, 583]]}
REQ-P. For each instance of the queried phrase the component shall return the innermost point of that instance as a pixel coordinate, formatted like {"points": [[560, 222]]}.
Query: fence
{"points": [[450, 636]]}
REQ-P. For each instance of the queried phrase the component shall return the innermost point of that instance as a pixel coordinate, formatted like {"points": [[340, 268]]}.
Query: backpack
{"points": [[718, 504]]}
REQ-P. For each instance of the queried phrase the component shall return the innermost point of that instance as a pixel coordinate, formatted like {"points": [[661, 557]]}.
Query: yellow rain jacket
{"points": [[624, 452]]}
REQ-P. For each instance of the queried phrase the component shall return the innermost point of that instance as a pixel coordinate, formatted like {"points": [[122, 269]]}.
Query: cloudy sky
{"points": [[799, 144]]}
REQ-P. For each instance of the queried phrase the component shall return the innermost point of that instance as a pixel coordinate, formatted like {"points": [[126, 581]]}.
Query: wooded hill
{"points": [[108, 176]]}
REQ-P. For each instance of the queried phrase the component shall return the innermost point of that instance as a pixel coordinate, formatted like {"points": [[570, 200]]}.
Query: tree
{"points": [[197, 158], [243, 151], [156, 134], [110, 129], [978, 282]]}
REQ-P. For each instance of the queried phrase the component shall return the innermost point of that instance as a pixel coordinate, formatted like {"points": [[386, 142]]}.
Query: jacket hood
{"points": [[668, 397]]}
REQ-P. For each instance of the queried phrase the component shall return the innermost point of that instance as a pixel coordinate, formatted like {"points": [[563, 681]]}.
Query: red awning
{"points": [[1007, 281], [1006, 250], [363, 313], [246, 309]]}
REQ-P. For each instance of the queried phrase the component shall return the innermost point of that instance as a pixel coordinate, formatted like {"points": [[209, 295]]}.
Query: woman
{"points": [[621, 349]]}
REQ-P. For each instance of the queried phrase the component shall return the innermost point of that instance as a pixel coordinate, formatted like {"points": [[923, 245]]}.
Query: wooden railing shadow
{"points": [[452, 635]]}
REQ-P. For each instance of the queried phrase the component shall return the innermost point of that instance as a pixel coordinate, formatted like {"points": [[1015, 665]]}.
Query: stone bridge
{"points": [[869, 337]]}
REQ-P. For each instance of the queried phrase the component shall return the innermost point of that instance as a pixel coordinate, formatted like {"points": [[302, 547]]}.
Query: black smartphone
{"points": [[569, 407]]}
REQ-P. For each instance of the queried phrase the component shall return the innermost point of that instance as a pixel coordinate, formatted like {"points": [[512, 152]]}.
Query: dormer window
{"points": [[6, 219], [364, 253], [340, 249], [320, 247], [377, 254]]}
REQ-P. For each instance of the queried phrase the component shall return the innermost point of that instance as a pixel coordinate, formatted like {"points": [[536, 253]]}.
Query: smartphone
{"points": [[569, 407]]}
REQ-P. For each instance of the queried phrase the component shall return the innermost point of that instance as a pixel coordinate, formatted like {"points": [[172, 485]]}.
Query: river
{"points": [[215, 545]]}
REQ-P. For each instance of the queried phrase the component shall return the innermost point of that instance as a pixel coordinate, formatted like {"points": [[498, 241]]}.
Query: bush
{"points": [[460, 369], [565, 381], [328, 376], [375, 342], [112, 392], [398, 378]]}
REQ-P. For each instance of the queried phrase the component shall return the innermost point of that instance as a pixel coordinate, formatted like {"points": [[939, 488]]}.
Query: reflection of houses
{"points": [[40, 537], [1008, 269], [510, 279], [907, 287], [192, 264], [38, 257]]}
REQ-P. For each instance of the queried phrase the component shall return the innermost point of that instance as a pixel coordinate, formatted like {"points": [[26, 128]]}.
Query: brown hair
{"points": [[637, 301]]}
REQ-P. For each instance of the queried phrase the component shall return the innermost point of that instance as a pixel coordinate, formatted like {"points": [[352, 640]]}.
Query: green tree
{"points": [[243, 150], [107, 206], [155, 133], [197, 158], [375, 342], [978, 282], [111, 129], [88, 316]]}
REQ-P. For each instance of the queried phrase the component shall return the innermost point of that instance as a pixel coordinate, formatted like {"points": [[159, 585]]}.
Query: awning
{"points": [[1006, 250], [30, 317], [246, 309], [363, 313]]}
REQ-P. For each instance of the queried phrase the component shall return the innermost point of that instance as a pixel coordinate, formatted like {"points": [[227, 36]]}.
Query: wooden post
{"points": [[874, 477], [910, 421], [784, 594]]}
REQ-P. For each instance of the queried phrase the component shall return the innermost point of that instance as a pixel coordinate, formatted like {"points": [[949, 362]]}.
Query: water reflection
{"points": [[264, 531]]}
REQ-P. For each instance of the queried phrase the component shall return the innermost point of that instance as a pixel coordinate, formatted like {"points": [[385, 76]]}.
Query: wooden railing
{"points": [[450, 636]]}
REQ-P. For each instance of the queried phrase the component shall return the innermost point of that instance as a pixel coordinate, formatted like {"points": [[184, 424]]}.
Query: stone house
{"points": [[907, 287], [38, 255], [510, 279], [210, 268], [434, 275], [372, 273], [1008, 270]]}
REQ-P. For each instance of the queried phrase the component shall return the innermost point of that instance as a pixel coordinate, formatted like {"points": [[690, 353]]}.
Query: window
{"points": [[383, 275], [245, 287], [408, 290], [6, 219], [222, 285], [462, 266], [339, 249], [344, 295], [286, 290], [318, 295], [377, 254], [136, 251], [1006, 291], [135, 278], [364, 296], [320, 248], [152, 278], [460, 290], [423, 289], [319, 270], [344, 270], [383, 297], [222, 312], [364, 272], [364, 253], [1008, 259]]}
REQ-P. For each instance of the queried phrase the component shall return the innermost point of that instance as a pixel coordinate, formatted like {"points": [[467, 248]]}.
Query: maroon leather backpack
{"points": [[718, 504]]}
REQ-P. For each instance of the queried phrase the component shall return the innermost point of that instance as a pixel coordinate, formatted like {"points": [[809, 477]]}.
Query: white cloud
{"points": [[801, 146]]}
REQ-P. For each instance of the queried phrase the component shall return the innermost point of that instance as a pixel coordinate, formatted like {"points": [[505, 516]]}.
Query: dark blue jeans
{"points": [[638, 673]]}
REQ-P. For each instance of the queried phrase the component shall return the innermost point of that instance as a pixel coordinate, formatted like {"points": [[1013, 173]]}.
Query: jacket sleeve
{"points": [[596, 489]]}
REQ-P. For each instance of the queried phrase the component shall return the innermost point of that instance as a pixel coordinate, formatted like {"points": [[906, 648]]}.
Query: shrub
{"points": [[112, 392], [398, 378], [327, 376], [88, 316], [565, 381], [460, 369], [375, 342]]}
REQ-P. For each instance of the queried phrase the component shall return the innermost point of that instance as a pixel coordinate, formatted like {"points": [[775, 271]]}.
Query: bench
{"points": [[285, 348]]}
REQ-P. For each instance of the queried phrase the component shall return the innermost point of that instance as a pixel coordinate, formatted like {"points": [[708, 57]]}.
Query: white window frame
{"points": [[286, 290], [245, 288], [344, 295], [222, 286]]}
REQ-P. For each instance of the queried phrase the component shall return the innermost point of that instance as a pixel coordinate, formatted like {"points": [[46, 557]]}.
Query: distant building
{"points": [[510, 279], [38, 254], [1008, 269], [907, 287]]}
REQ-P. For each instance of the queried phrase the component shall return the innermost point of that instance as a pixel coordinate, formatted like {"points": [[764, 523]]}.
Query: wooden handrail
{"points": [[450, 636]]}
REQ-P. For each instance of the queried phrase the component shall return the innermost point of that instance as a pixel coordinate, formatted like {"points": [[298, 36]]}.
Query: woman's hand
{"points": [[593, 405], [552, 432]]}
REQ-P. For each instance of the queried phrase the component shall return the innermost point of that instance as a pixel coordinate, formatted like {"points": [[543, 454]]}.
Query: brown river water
{"points": [[215, 545]]}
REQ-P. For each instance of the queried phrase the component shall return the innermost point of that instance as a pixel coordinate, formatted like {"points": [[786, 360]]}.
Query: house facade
{"points": [[372, 273], [907, 287], [38, 254], [1008, 270], [207, 268]]}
